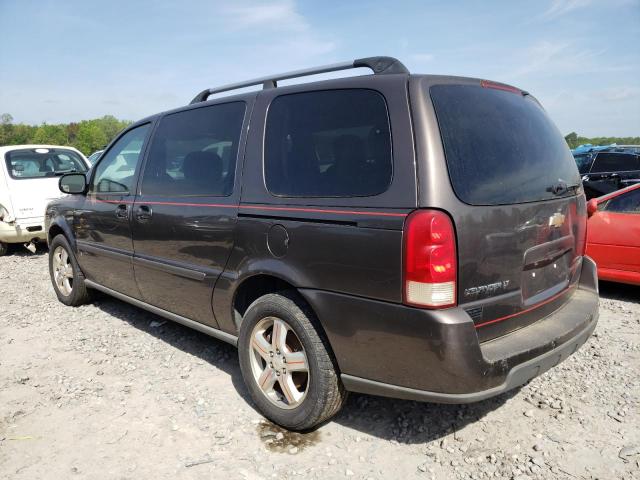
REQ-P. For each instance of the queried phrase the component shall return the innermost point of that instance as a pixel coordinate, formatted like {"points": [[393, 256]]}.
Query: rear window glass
{"points": [[43, 162], [501, 147], [333, 143], [194, 152], [615, 162]]}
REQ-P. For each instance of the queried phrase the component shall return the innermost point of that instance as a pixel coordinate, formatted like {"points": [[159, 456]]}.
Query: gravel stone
{"points": [[110, 391]]}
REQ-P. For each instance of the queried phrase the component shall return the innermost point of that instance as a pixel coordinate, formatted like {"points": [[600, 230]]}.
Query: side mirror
{"points": [[592, 206], [73, 183]]}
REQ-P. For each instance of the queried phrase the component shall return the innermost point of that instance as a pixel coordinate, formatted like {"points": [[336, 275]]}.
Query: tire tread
{"points": [[80, 295], [333, 392]]}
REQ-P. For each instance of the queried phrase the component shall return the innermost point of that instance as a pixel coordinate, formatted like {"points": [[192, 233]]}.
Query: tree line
{"points": [[574, 140], [87, 135], [91, 135]]}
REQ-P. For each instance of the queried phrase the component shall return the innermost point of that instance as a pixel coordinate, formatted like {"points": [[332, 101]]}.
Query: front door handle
{"points": [[143, 213], [122, 211]]}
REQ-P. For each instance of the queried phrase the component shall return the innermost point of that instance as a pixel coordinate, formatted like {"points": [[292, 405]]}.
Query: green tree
{"points": [[6, 127], [110, 125], [572, 140], [21, 134], [50, 134], [72, 132], [87, 135], [90, 137]]}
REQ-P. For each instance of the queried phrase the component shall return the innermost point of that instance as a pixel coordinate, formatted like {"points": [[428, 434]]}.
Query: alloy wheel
{"points": [[279, 363], [62, 271]]}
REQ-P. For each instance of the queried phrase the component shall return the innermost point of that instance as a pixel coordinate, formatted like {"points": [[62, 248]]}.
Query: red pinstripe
{"points": [[258, 207], [538, 305]]}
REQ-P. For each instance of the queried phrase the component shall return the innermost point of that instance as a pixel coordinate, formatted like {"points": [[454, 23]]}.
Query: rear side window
{"points": [[194, 152], [615, 162], [333, 143], [500, 146], [628, 202]]}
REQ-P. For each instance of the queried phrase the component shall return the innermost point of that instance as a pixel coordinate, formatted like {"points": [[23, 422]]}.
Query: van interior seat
{"points": [[350, 161], [203, 172]]}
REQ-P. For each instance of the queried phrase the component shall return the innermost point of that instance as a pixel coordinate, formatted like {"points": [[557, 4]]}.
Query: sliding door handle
{"points": [[143, 213]]}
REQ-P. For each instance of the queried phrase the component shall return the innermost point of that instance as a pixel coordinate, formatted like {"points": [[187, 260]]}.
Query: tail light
{"points": [[429, 260], [581, 241], [581, 219]]}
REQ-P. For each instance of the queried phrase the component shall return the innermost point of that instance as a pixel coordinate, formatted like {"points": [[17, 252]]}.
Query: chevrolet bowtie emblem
{"points": [[556, 220]]}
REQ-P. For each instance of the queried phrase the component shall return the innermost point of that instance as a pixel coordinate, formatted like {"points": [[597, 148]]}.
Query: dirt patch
{"points": [[277, 439]]}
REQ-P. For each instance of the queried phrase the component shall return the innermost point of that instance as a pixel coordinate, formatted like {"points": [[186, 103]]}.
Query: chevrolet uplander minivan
{"points": [[413, 236]]}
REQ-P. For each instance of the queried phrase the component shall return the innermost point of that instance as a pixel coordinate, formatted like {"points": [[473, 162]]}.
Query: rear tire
{"points": [[4, 248], [65, 273], [301, 387]]}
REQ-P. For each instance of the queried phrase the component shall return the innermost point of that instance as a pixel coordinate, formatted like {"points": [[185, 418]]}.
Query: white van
{"points": [[29, 177]]}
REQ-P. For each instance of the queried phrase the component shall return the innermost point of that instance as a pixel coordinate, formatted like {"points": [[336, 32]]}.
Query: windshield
{"points": [[43, 162], [501, 147]]}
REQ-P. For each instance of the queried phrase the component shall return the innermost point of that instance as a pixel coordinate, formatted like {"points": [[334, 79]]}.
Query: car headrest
{"points": [[349, 150], [202, 167]]}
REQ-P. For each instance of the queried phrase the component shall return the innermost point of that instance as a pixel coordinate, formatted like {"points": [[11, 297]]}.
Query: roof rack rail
{"points": [[379, 65]]}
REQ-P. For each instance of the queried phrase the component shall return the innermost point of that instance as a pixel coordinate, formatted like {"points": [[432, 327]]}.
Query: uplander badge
{"points": [[487, 289]]}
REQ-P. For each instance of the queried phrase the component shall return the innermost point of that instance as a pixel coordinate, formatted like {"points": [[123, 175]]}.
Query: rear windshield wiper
{"points": [[560, 187]]}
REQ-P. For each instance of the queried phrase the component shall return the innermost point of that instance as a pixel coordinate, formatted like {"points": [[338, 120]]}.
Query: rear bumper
{"points": [[517, 376], [403, 352], [23, 230]]}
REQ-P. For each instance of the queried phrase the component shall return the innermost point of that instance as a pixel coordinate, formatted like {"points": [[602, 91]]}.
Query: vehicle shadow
{"points": [[402, 421], [620, 291], [215, 352], [409, 422], [18, 250]]}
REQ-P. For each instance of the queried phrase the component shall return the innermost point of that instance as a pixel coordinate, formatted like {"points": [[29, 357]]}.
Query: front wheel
{"points": [[287, 363], [66, 276], [3, 248]]}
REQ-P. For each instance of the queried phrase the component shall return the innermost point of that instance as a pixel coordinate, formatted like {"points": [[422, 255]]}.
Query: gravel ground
{"points": [[110, 391]]}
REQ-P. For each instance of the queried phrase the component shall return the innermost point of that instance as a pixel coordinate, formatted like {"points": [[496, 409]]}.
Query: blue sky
{"points": [[77, 59]]}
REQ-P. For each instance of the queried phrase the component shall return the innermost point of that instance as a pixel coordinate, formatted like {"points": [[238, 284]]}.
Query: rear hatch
{"points": [[29, 198], [521, 228]]}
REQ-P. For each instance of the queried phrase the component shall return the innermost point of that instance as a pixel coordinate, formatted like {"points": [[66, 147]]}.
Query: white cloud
{"points": [[539, 56], [296, 41], [618, 94], [421, 57], [557, 8], [280, 15], [549, 58]]}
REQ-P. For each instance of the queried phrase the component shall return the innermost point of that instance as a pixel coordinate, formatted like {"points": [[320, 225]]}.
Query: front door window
{"points": [[116, 171]]}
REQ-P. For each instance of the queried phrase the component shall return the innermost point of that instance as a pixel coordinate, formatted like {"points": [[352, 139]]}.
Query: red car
{"points": [[613, 235]]}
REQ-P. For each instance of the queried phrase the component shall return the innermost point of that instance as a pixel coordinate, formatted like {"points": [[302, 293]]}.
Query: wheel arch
{"points": [[59, 226], [256, 285]]}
